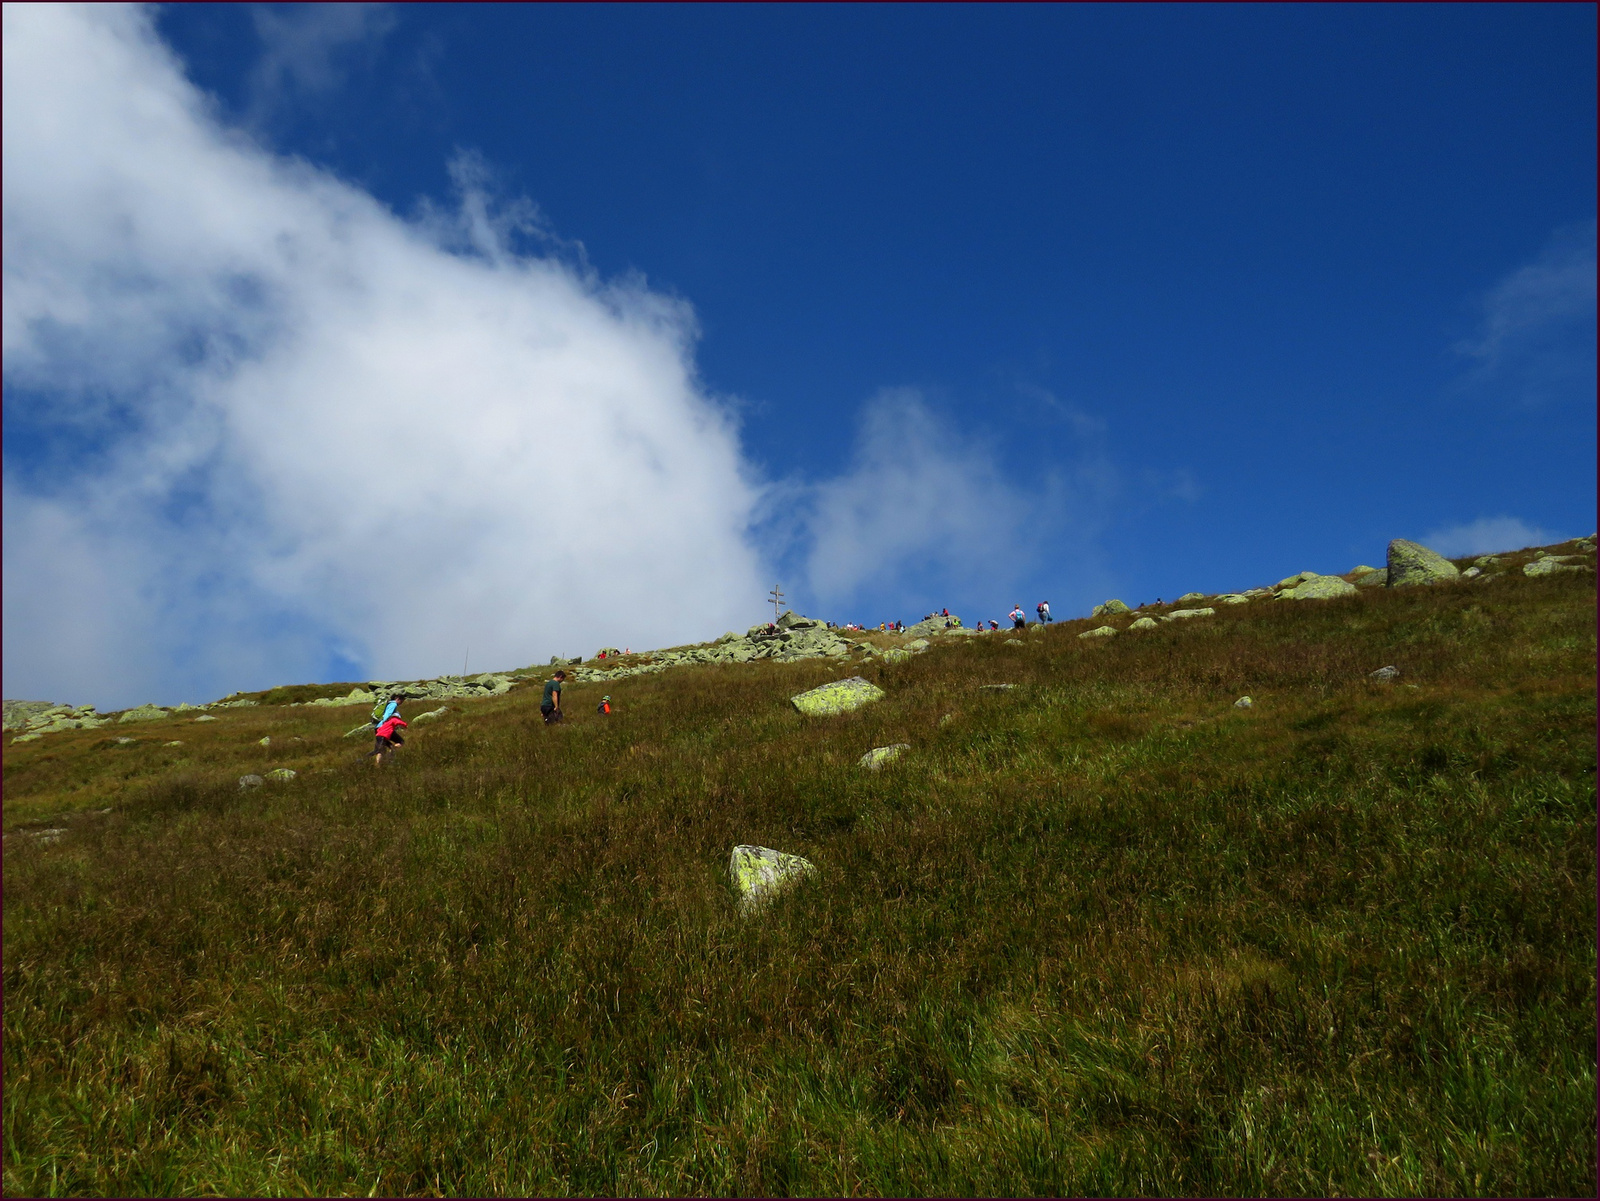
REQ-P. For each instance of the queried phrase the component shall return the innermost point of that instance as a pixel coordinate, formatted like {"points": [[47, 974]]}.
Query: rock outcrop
{"points": [[1321, 587], [1110, 608], [1411, 563]]}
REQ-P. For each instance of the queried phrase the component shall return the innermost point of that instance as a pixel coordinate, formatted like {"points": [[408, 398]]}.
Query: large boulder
{"points": [[933, 625], [1111, 608], [841, 696], [1550, 566], [1411, 563], [759, 873], [1143, 623], [1097, 632], [1371, 577], [1189, 598], [1322, 587], [1185, 614]]}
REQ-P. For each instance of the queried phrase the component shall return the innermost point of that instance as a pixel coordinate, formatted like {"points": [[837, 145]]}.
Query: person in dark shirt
{"points": [[550, 706]]}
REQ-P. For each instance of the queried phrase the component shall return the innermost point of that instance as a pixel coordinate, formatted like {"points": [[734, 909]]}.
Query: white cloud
{"points": [[927, 518], [305, 47], [1537, 333], [306, 431], [1488, 535]]}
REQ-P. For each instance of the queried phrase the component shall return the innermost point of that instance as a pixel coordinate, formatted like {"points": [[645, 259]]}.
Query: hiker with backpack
{"points": [[1019, 620], [387, 724], [604, 707], [550, 706]]}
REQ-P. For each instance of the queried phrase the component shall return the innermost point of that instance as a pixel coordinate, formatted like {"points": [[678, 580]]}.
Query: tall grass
{"points": [[1102, 933]]}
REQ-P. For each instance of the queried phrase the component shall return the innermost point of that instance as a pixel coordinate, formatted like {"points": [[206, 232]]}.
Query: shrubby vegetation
{"points": [[1099, 933]]}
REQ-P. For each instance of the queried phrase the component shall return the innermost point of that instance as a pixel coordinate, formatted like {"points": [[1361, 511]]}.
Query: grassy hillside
{"points": [[1100, 933]]}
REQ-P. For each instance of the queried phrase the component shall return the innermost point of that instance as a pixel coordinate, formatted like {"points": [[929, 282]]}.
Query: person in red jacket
{"points": [[387, 735]]}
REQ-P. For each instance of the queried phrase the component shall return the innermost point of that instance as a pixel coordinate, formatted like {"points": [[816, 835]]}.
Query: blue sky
{"points": [[903, 306]]}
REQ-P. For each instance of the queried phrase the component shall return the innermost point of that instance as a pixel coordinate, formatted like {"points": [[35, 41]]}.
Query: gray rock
{"points": [[17, 713], [1097, 632], [431, 715], [1234, 598], [1185, 614], [1378, 578], [1111, 608], [1020, 642], [1188, 598], [1549, 566], [143, 713], [1385, 673], [1291, 581], [250, 781], [281, 774], [760, 873], [1322, 587], [1145, 623], [995, 687], [205, 717], [174, 742], [1411, 563], [1472, 573], [878, 756], [267, 741], [1243, 702]]}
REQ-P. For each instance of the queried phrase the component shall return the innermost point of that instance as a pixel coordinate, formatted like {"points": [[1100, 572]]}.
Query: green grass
{"points": [[1103, 933]]}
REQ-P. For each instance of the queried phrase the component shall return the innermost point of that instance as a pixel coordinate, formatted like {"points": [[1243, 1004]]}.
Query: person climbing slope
{"points": [[387, 736], [604, 707], [550, 706]]}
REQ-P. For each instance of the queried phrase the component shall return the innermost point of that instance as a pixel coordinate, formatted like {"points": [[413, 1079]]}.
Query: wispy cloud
{"points": [[307, 50], [926, 516], [1536, 336], [1488, 535]]}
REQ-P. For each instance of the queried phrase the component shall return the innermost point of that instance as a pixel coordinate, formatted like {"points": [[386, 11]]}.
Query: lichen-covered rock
{"points": [[1188, 598], [1234, 598], [841, 696], [759, 873], [995, 687], [1097, 632], [880, 755], [1291, 581], [1385, 673], [143, 713], [431, 714], [1243, 702], [1185, 614], [267, 741], [1549, 566], [205, 717], [1145, 623], [1111, 608], [281, 774], [1323, 587], [1378, 577], [250, 781], [1411, 563]]}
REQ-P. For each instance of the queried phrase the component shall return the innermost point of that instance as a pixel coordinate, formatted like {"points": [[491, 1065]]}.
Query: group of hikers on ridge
{"points": [[387, 723]]}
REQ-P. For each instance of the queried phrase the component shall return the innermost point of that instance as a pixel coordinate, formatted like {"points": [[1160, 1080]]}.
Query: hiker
{"points": [[944, 612], [994, 625], [550, 706], [1018, 620], [386, 735], [604, 706], [1044, 607]]}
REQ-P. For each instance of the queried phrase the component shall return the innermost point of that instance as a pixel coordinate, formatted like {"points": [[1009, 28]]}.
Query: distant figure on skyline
{"points": [[1044, 611], [1018, 618]]}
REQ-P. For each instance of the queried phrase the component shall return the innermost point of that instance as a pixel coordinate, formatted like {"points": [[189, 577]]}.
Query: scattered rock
{"points": [[759, 873], [1549, 566], [250, 781], [1145, 623], [1020, 642], [1188, 598], [126, 741], [431, 714], [1234, 598], [1322, 587], [364, 727], [841, 696], [281, 774], [143, 713], [1411, 563], [205, 717], [1385, 673], [1243, 702], [1185, 614], [995, 687], [1097, 632], [1378, 578], [1472, 573], [1111, 608], [53, 834], [947, 719], [174, 742], [880, 755], [27, 737], [1291, 581], [267, 741]]}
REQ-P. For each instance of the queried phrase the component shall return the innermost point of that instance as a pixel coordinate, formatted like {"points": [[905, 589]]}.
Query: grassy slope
{"points": [[1103, 933]]}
